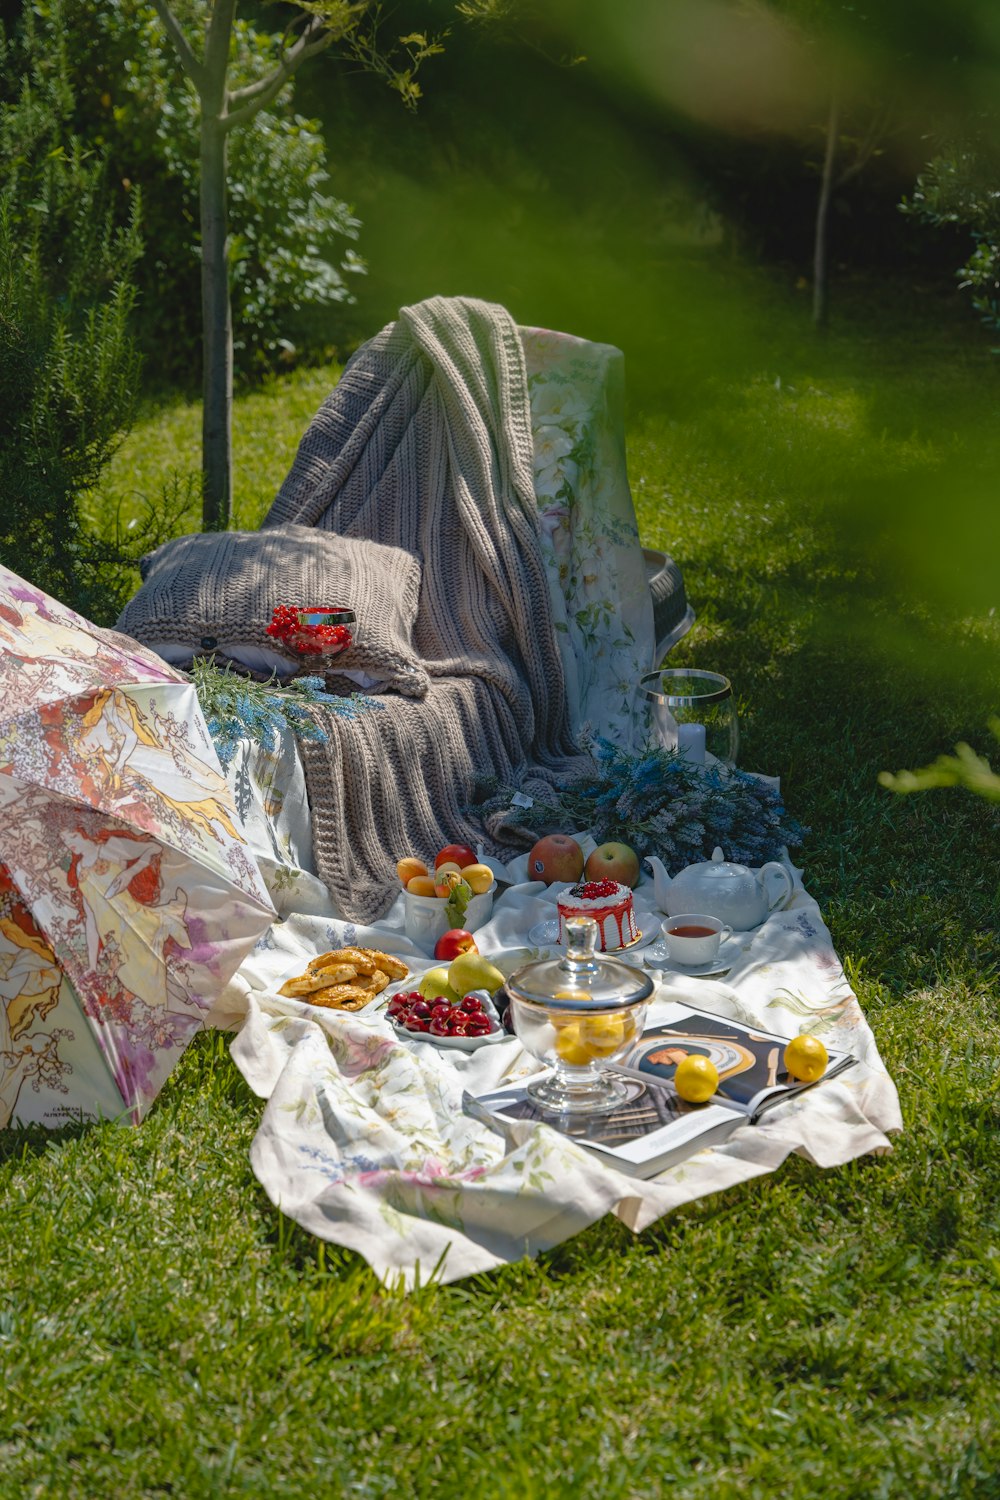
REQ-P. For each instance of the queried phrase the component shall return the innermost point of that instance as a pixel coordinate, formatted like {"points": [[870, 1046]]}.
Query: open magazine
{"points": [[654, 1128]]}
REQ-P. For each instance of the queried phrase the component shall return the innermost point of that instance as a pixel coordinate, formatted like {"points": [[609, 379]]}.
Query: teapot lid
{"points": [[582, 979], [718, 865]]}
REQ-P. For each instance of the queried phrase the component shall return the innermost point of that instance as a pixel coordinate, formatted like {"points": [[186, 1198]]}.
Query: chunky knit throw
{"points": [[426, 444]]}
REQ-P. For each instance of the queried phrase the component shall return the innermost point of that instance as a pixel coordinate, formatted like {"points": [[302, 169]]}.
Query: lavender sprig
{"points": [[660, 803]]}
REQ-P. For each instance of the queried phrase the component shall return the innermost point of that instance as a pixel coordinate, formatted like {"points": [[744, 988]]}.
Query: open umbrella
{"points": [[128, 895]]}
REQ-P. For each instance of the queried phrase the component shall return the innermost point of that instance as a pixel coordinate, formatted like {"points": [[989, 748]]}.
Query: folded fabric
{"points": [[216, 591]]}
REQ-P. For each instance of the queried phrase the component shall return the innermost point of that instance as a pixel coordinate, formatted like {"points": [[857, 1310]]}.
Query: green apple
{"points": [[435, 983], [471, 971], [613, 862]]}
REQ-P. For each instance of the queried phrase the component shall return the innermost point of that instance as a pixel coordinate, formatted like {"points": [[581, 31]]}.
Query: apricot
{"points": [[446, 881], [479, 877], [407, 868], [420, 885]]}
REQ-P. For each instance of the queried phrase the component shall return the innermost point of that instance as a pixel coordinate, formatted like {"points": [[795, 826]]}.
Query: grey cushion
{"points": [[215, 591]]}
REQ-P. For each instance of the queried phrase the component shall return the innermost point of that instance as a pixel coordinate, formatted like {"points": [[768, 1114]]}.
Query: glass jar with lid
{"points": [[579, 1014]]}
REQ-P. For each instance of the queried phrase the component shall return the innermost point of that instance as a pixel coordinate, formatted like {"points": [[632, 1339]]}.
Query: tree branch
{"points": [[253, 97], [189, 62]]}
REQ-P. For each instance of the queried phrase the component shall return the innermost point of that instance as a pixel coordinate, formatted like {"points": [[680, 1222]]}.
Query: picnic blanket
{"points": [[364, 1140], [426, 444]]}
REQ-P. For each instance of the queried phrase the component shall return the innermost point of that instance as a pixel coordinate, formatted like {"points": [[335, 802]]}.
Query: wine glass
{"points": [[691, 712]]}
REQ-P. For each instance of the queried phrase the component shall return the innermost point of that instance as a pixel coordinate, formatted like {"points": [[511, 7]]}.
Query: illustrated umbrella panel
{"points": [[124, 869]]}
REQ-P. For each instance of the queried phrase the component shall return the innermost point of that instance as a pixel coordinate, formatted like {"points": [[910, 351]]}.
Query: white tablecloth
{"points": [[363, 1139]]}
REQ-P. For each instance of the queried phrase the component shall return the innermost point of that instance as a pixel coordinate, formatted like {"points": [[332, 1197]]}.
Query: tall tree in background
{"points": [[312, 29]]}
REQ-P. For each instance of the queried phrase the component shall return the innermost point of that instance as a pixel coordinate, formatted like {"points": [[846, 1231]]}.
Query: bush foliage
{"points": [[68, 365], [292, 240]]}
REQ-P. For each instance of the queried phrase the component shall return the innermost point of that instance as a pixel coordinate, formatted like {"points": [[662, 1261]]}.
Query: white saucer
{"points": [[726, 958], [538, 938]]}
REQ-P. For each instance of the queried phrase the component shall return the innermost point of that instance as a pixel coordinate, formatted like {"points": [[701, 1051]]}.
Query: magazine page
{"points": [[749, 1062], [649, 1131]]}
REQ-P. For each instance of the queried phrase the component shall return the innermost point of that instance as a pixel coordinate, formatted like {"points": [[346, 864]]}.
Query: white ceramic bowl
{"points": [[457, 1043], [425, 920]]}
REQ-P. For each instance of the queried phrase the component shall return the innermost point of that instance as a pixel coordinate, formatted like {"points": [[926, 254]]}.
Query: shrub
{"points": [[68, 365], [287, 229]]}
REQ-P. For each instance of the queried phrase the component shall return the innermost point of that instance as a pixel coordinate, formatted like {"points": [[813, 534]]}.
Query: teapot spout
{"points": [[661, 880]]}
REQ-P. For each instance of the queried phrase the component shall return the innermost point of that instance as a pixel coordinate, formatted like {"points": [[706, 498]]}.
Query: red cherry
{"points": [[414, 1023], [477, 1027], [471, 1004], [438, 1027], [421, 1009]]}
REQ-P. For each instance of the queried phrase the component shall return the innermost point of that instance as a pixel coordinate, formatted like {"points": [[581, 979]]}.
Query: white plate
{"points": [[727, 956], [537, 936], [459, 1043]]}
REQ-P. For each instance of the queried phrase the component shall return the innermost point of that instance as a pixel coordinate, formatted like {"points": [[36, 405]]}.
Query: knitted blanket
{"points": [[426, 444]]}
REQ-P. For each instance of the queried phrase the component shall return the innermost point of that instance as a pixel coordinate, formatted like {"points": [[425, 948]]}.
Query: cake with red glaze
{"points": [[609, 904]]}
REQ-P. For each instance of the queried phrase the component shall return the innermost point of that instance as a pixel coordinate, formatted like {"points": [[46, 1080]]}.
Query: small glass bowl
{"points": [[578, 1014], [308, 647]]}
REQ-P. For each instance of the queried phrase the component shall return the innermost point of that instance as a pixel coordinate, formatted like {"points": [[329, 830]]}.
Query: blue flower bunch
{"points": [[238, 708], [660, 803]]}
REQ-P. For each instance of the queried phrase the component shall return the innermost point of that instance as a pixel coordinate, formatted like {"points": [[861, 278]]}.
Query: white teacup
{"points": [[694, 938]]}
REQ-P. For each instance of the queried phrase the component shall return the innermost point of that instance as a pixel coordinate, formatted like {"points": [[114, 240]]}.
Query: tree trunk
{"points": [[217, 373], [820, 269]]}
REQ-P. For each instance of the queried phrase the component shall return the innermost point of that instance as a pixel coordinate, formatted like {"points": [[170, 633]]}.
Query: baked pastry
{"points": [[345, 978], [341, 997], [609, 904]]}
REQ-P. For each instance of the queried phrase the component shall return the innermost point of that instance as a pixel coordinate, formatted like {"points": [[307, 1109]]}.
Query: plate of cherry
{"points": [[472, 1023]]}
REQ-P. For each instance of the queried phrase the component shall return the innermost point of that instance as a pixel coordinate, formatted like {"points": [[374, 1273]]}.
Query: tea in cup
{"points": [[694, 938]]}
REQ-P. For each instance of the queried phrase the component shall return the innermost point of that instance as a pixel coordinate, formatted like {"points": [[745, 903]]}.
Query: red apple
{"points": [[555, 857], [460, 854], [453, 942], [613, 862]]}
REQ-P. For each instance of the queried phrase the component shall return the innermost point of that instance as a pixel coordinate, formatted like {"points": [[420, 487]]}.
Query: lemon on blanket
{"points": [[806, 1058], [696, 1078]]}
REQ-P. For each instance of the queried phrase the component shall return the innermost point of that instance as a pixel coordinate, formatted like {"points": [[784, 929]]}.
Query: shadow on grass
{"points": [[22, 1142]]}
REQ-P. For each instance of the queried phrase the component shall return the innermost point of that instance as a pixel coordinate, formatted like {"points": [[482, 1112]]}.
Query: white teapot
{"points": [[734, 893]]}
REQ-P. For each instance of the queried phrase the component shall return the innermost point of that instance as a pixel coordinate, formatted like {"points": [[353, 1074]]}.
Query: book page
{"points": [[749, 1062], [652, 1127]]}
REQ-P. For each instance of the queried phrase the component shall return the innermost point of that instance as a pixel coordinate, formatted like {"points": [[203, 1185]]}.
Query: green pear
{"points": [[435, 983], [471, 971]]}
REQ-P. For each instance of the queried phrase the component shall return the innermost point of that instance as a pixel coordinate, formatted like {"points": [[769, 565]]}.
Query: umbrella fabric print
{"points": [[128, 896]]}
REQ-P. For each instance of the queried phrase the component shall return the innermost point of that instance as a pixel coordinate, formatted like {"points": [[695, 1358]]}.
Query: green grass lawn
{"points": [[163, 1331]]}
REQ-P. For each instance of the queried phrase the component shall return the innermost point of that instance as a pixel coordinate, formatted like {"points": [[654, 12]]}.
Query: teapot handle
{"points": [[789, 884]]}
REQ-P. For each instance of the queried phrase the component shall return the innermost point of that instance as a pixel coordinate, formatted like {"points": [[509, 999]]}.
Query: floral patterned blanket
{"points": [[364, 1140]]}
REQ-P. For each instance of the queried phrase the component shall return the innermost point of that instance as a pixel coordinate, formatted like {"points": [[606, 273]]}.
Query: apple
{"points": [[445, 883], [453, 942], [478, 877], [613, 862], [555, 857], [460, 854], [471, 971], [435, 983]]}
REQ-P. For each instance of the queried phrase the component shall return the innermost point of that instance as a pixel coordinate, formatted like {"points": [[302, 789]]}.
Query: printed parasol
{"points": [[128, 894]]}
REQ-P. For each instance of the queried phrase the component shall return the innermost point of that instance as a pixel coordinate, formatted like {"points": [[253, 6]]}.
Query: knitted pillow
{"points": [[215, 591]]}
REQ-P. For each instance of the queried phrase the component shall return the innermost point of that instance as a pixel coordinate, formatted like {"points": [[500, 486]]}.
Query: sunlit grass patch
{"points": [[835, 1334]]}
